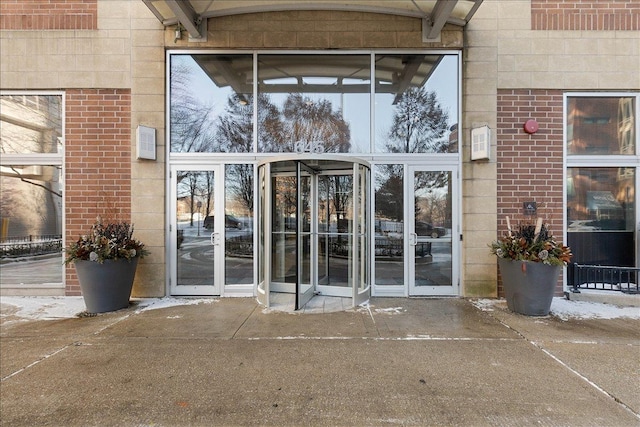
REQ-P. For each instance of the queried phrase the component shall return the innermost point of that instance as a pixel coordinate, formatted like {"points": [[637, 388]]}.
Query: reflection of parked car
{"points": [[229, 222], [426, 229]]}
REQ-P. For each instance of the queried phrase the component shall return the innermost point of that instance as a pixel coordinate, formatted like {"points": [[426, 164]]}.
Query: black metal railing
{"points": [[239, 246], [19, 246], [390, 248], [604, 278]]}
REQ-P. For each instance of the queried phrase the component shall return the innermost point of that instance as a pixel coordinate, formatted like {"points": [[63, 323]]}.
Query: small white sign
{"points": [[480, 143], [146, 143]]}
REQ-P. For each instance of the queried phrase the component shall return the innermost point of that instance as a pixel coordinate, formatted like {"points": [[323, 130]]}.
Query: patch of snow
{"points": [[41, 308], [485, 304], [145, 304], [53, 308], [390, 310], [566, 309]]}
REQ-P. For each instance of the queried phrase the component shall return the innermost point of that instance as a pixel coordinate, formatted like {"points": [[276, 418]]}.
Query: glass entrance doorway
{"points": [[433, 259], [211, 229], [313, 229]]}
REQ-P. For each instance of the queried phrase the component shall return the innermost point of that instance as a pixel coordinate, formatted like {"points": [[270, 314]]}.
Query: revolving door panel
{"points": [[291, 235], [313, 230]]}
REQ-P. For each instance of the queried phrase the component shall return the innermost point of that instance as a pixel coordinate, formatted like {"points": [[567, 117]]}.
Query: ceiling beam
{"points": [[404, 79], [185, 14], [433, 24]]}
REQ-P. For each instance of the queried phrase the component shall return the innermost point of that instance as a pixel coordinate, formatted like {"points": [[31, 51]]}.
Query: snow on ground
{"points": [[566, 309], [51, 308]]}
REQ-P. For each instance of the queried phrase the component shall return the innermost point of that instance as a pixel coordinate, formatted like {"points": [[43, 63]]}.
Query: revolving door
{"points": [[313, 229]]}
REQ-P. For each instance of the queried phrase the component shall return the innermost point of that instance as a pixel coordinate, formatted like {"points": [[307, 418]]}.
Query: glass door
{"points": [[335, 233], [197, 230], [305, 283], [433, 236]]}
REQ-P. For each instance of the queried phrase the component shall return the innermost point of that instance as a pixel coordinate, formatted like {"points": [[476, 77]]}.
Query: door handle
{"points": [[413, 239], [215, 239]]}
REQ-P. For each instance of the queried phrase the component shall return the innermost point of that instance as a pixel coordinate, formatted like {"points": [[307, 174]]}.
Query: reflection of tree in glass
{"points": [[286, 201], [234, 133], [239, 184], [419, 124], [432, 208], [191, 120], [336, 191], [312, 120], [389, 194], [197, 187], [433, 197]]}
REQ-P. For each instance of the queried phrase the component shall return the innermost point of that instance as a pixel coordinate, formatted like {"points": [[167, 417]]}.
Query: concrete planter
{"points": [[107, 286], [529, 286]]}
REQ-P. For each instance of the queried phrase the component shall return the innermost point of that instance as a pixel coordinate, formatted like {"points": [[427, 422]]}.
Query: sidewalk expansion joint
{"points": [[45, 357], [570, 369]]}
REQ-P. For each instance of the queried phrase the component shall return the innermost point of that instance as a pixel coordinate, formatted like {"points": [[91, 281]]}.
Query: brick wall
{"points": [[529, 166], [48, 14], [98, 162], [585, 15]]}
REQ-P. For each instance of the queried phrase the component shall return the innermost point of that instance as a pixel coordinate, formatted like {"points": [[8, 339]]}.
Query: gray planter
{"points": [[529, 286], [107, 286]]}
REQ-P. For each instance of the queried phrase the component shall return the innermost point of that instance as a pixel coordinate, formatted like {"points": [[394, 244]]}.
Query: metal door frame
{"points": [[217, 236], [411, 237]]}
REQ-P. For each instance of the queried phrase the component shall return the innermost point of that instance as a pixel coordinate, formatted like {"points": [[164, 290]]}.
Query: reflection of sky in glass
{"points": [[202, 87], [355, 107]]}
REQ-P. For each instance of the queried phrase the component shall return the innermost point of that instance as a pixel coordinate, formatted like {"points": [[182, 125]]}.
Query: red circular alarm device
{"points": [[531, 126]]}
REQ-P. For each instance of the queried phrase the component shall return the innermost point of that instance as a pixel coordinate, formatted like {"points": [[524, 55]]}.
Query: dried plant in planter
{"points": [[531, 242], [107, 240]]}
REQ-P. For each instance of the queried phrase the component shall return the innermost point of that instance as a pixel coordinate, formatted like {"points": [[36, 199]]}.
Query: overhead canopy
{"points": [[191, 14]]}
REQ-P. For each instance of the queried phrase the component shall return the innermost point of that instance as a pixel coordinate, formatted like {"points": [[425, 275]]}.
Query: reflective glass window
{"points": [[31, 124], [211, 103], [601, 215], [31, 212], [238, 225], [314, 103], [601, 125], [416, 103], [31, 225], [389, 225]]}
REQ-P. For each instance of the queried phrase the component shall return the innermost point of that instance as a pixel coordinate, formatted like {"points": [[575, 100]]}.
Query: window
{"points": [[389, 224], [601, 125], [316, 103], [416, 103], [211, 103], [602, 206], [31, 198]]}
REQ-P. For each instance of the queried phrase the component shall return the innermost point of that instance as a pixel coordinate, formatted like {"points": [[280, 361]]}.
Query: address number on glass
{"points": [[309, 147]]}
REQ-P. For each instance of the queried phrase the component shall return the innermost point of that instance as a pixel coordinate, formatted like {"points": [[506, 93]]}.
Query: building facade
{"points": [[347, 151]]}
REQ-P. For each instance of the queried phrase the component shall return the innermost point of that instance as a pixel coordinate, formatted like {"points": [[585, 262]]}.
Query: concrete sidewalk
{"points": [[397, 362]]}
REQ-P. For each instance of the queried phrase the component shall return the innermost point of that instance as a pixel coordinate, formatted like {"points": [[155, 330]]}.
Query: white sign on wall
{"points": [[480, 143], [146, 143]]}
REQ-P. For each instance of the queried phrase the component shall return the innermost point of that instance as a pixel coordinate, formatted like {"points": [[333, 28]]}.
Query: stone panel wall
{"points": [[317, 30]]}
